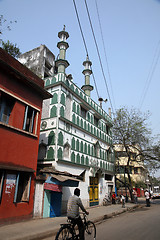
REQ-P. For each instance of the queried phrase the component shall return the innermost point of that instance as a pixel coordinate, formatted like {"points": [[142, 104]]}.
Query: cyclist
{"points": [[74, 203]]}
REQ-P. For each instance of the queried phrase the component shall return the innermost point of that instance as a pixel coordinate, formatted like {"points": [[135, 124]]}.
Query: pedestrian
{"points": [[74, 203], [113, 198], [147, 198], [135, 196], [123, 200]]}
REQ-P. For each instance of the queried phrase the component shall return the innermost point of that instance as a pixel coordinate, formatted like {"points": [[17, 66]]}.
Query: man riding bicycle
{"points": [[74, 203]]}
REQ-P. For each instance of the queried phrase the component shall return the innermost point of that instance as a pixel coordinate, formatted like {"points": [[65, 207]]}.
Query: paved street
{"points": [[143, 223], [140, 224]]}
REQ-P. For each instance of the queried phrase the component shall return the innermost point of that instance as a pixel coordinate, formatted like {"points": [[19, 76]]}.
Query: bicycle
{"points": [[69, 231]]}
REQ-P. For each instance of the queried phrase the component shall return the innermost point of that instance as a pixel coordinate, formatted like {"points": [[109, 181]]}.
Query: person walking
{"points": [[113, 198], [123, 200], [147, 196], [135, 196], [74, 203]]}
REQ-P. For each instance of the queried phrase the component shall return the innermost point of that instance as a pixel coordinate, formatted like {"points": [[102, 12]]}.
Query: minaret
{"points": [[87, 88], [61, 63]]}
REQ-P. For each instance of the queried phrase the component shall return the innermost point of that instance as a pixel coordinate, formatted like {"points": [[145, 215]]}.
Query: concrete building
{"points": [[21, 96], [39, 60], [137, 170], [76, 135]]}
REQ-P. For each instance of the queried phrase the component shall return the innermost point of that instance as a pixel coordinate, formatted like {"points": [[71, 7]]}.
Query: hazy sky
{"points": [[131, 33]]}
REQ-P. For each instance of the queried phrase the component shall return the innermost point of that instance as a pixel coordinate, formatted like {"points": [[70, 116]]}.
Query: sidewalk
{"points": [[46, 227]]}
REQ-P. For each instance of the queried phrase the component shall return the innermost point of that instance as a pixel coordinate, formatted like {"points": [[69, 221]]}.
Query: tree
{"points": [[5, 25], [11, 48], [131, 131]]}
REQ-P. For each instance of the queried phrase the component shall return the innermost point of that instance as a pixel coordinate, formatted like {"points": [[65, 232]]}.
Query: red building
{"points": [[21, 96]]}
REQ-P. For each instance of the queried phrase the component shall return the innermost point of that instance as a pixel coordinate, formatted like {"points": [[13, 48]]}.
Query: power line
{"points": [[98, 54], [105, 53], [151, 72], [85, 45]]}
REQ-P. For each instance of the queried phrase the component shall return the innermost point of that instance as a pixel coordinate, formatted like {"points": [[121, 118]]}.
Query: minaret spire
{"points": [[87, 88], [62, 63]]}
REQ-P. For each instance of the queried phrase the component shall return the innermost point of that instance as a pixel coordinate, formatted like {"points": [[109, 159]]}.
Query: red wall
{"points": [[13, 212], [18, 148]]}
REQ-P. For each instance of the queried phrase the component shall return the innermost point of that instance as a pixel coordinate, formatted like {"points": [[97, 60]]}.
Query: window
{"points": [[29, 119], [97, 150], [108, 177], [66, 151], [22, 190], [83, 112], [1, 184], [96, 121], [6, 106], [48, 67], [107, 129], [42, 150]]}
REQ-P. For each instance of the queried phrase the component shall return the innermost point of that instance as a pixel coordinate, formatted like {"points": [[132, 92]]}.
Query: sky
{"points": [[130, 56]]}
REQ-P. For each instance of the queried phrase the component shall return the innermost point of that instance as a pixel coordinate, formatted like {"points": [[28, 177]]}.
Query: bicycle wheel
{"points": [[64, 233], [90, 230]]}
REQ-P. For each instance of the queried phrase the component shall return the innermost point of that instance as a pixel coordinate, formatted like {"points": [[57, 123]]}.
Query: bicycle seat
{"points": [[71, 220]]}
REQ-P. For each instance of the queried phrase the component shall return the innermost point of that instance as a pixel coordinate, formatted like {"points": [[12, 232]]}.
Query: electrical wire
{"points": [[98, 54], [105, 53], [85, 45], [151, 72]]}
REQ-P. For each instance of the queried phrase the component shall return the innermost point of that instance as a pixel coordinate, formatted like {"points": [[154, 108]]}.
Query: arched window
{"points": [[78, 158], [60, 153], [73, 143], [51, 138], [53, 80], [87, 161], [42, 151], [78, 109], [97, 149], [81, 122], [53, 111], [77, 145], [73, 157], [88, 149], [47, 82], [50, 153], [82, 159], [63, 99], [81, 146], [73, 118], [60, 139], [74, 107], [62, 111], [54, 99], [66, 150], [85, 148], [77, 120]]}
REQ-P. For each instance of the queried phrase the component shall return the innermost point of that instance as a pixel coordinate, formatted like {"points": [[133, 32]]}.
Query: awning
{"points": [[16, 168], [53, 187], [61, 178], [66, 180]]}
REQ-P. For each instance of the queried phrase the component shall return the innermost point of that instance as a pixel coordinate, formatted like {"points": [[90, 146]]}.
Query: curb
{"points": [[110, 215], [52, 233]]}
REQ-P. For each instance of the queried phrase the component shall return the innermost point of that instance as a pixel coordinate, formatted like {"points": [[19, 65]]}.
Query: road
{"points": [[140, 224]]}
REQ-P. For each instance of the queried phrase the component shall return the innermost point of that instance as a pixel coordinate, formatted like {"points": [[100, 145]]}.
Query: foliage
{"points": [[11, 48], [5, 25], [130, 127], [140, 184], [154, 181], [131, 131]]}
